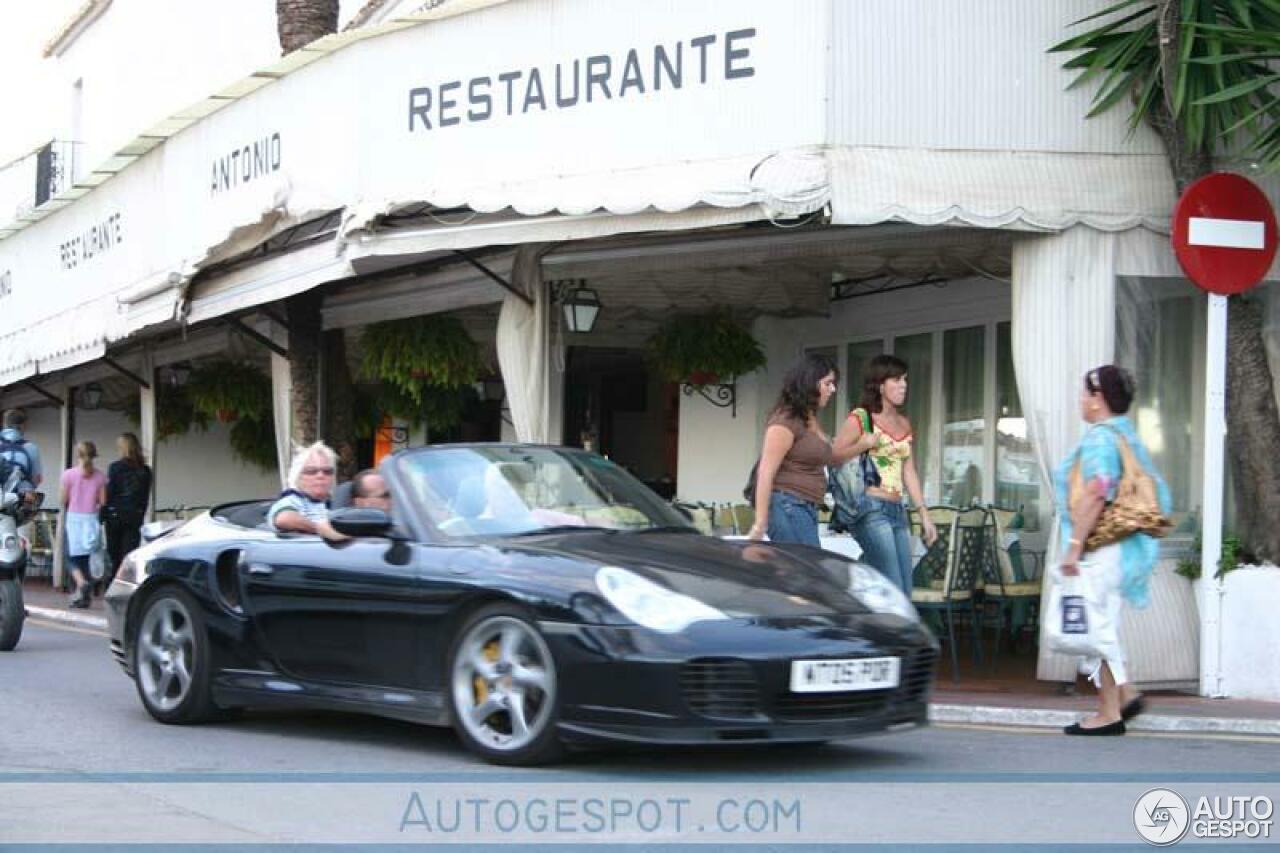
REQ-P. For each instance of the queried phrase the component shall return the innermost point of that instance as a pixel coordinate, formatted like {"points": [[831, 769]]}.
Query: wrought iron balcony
{"points": [[31, 180]]}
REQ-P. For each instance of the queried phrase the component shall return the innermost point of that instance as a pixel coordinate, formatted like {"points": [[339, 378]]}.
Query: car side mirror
{"points": [[360, 521]]}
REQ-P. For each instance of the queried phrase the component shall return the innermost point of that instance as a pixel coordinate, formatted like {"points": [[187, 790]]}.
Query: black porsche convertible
{"points": [[531, 597]]}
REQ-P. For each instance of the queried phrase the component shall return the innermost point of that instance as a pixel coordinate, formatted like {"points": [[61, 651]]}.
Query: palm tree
{"points": [[298, 23], [1203, 74]]}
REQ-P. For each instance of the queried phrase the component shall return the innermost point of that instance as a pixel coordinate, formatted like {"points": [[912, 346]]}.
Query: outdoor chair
{"points": [[742, 517], [1010, 585], [938, 589]]}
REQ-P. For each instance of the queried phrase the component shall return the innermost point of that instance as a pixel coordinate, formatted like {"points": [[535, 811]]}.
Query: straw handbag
{"points": [[1136, 508]]}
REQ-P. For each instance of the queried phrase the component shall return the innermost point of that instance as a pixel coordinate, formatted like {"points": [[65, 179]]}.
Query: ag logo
{"points": [[1161, 816]]}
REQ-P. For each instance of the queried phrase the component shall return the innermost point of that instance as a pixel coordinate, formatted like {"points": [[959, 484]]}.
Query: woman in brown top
{"points": [[791, 481]]}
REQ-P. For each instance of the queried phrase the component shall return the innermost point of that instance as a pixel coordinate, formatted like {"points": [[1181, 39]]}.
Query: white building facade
{"points": [[794, 163]]}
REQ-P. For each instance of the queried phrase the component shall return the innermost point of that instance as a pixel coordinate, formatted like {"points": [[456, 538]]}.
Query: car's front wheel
{"points": [[503, 692], [171, 659]]}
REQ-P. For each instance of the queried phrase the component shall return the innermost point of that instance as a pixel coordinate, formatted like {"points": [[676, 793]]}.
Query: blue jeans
{"points": [[882, 530], [792, 519]]}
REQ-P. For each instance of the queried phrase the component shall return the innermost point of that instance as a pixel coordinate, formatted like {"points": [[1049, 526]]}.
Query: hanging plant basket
{"points": [[705, 349], [414, 354], [254, 441], [436, 408], [174, 413], [230, 391]]}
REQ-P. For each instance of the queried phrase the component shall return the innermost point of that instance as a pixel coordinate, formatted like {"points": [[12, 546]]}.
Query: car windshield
{"points": [[487, 491]]}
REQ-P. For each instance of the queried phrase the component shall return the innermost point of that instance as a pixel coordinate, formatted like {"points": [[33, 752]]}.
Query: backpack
{"points": [[9, 451], [849, 481]]}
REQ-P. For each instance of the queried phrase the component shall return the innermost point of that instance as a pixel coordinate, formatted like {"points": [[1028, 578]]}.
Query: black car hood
{"points": [[753, 579]]}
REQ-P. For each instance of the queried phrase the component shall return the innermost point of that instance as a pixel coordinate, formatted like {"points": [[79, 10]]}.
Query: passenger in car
{"points": [[304, 506]]}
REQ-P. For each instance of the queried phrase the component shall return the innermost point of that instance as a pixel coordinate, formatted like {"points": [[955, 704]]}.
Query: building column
{"points": [[52, 484], [147, 425]]}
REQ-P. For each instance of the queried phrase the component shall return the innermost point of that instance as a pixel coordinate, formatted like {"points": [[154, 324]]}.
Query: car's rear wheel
{"points": [[171, 659], [12, 613], [503, 692]]}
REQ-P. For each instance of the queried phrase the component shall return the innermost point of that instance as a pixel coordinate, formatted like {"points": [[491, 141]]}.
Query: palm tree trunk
{"points": [[339, 402], [300, 22], [1253, 423], [303, 312]]}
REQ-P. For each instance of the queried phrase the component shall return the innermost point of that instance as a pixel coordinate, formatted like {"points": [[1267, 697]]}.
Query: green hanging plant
{"points": [[421, 352], [175, 414], [254, 441], [230, 391], [437, 408], [705, 349]]}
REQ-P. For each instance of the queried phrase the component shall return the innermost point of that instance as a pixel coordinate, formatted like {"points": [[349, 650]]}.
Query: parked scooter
{"points": [[17, 507]]}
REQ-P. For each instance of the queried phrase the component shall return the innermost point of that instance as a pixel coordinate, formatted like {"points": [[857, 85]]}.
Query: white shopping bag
{"points": [[1077, 618], [98, 557]]}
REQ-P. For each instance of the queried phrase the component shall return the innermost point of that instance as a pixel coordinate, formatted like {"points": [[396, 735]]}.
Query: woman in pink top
{"points": [[84, 491]]}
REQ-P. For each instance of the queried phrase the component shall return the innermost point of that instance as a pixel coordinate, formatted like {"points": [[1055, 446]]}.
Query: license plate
{"points": [[832, 676]]}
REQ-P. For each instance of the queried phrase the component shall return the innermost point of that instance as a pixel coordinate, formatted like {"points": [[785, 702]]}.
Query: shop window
{"points": [[1160, 338], [964, 423], [1017, 474]]}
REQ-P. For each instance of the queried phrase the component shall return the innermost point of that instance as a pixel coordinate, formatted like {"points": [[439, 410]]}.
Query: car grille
{"points": [[917, 676], [727, 689], [722, 688], [829, 706]]}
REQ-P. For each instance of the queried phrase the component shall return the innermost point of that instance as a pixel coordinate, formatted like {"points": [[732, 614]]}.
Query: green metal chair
{"points": [[1013, 588], [941, 588]]}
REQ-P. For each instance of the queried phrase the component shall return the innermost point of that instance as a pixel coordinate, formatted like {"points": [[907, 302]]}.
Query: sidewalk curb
{"points": [[83, 619], [1052, 718]]}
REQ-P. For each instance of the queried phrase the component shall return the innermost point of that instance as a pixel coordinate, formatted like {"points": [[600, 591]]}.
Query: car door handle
{"points": [[260, 569]]}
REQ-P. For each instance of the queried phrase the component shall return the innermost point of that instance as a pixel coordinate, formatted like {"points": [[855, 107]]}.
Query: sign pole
{"points": [[1225, 237], [1215, 433]]}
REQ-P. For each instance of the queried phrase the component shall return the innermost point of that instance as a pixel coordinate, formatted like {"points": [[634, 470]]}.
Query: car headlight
{"points": [[646, 603], [877, 592], [128, 570]]}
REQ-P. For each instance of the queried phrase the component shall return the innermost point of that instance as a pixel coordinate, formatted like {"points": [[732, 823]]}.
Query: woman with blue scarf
{"points": [[1124, 567]]}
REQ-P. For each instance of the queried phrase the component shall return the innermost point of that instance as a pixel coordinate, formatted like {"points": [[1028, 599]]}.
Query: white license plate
{"points": [[832, 676]]}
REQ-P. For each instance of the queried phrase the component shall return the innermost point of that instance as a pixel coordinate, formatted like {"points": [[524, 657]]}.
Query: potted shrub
{"points": [[1250, 629], [705, 349]]}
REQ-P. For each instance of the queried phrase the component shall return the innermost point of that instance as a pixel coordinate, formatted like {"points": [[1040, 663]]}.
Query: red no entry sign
{"points": [[1224, 233]]}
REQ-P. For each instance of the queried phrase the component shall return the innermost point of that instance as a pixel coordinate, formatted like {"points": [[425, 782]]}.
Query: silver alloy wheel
{"points": [[504, 701], [166, 654]]}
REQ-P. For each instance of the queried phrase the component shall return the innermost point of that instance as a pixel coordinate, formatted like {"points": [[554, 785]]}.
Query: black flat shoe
{"points": [[1133, 708], [1116, 728]]}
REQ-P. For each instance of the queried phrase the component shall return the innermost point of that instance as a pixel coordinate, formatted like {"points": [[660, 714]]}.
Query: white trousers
{"points": [[1105, 569]]}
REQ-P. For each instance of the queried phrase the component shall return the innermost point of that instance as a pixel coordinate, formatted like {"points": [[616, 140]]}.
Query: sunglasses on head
{"points": [[311, 471]]}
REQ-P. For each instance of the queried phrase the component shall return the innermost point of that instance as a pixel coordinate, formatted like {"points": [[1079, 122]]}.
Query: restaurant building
{"points": [[881, 176]]}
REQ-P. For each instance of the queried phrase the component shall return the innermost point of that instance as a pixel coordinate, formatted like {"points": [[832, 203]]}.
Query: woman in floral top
{"points": [[880, 524]]}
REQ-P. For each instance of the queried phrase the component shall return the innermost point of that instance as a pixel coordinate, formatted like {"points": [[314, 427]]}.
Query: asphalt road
{"points": [[68, 707], [69, 713]]}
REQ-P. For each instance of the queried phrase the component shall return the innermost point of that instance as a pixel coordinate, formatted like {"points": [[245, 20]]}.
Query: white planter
{"points": [[1251, 633]]}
